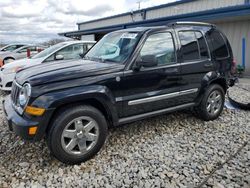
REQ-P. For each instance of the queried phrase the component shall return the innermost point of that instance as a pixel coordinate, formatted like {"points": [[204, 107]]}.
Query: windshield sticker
{"points": [[129, 35]]}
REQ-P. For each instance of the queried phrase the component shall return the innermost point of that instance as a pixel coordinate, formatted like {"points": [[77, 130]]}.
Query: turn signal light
{"points": [[32, 130], [1, 62], [34, 111]]}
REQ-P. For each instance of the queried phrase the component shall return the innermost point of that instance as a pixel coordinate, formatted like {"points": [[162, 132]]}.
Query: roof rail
{"points": [[191, 23]]}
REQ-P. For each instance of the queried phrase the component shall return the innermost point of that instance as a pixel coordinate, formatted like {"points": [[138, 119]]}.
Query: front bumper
{"points": [[20, 124]]}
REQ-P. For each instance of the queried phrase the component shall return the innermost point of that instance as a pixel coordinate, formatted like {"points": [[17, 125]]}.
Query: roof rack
{"points": [[191, 23]]}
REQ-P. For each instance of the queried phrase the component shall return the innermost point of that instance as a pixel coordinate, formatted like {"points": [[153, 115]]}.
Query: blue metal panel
{"points": [[244, 52]]}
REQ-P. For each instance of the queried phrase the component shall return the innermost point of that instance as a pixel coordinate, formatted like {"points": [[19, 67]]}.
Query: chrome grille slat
{"points": [[14, 93]]}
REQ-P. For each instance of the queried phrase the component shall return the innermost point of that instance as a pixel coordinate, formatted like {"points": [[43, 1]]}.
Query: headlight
{"points": [[24, 94]]}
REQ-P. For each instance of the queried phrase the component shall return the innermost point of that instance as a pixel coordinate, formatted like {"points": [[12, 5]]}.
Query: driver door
{"points": [[153, 88]]}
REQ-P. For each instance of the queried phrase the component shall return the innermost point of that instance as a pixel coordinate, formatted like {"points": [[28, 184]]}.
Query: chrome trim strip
{"points": [[161, 97]]}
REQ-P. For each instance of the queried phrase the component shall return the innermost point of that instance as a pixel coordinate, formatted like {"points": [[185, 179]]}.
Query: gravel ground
{"points": [[174, 150]]}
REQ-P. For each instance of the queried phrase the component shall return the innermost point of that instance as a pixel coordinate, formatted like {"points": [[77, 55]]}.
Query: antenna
{"points": [[139, 4]]}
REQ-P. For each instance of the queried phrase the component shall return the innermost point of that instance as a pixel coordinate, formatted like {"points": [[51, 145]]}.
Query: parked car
{"points": [[19, 53], [11, 47], [127, 76], [61, 51]]}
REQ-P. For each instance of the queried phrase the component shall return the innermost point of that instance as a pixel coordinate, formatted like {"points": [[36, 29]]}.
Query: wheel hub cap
{"points": [[214, 103], [80, 135]]}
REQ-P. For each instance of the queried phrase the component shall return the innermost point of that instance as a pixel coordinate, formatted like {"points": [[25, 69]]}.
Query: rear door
{"points": [[195, 61]]}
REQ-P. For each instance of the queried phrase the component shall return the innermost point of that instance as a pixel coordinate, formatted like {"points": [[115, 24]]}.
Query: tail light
{"points": [[233, 68]]}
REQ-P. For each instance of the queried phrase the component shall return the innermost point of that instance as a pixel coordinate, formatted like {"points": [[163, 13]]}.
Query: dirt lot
{"points": [[174, 150]]}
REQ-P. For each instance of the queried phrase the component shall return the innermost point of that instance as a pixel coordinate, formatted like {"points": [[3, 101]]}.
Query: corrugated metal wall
{"points": [[235, 32], [194, 6], [190, 7]]}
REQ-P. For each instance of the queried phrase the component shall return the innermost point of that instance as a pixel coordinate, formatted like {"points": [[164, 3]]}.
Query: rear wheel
{"points": [[212, 103], [77, 134]]}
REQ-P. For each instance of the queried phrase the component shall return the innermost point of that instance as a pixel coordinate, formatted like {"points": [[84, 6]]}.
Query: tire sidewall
{"points": [[212, 88], [60, 123]]}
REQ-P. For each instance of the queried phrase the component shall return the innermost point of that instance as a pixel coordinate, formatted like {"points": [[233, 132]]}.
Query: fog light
{"points": [[34, 111], [32, 130]]}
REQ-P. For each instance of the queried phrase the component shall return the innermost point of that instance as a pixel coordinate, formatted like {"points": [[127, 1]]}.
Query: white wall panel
{"points": [[235, 32]]}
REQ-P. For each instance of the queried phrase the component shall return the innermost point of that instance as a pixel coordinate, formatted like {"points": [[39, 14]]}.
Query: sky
{"points": [[37, 21]]}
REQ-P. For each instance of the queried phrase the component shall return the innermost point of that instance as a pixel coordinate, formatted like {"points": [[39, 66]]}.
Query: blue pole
{"points": [[243, 52]]}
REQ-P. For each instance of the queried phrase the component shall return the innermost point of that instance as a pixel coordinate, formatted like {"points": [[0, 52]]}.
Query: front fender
{"points": [[56, 99]]}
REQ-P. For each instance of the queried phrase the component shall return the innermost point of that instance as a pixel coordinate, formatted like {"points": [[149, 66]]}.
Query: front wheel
{"points": [[212, 103], [77, 134]]}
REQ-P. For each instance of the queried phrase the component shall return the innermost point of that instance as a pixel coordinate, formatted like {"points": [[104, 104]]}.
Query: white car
{"points": [[19, 53], [60, 51], [11, 47]]}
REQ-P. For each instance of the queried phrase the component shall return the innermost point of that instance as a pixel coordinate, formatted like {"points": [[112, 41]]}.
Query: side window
{"points": [[24, 50], [162, 46], [202, 45], [90, 46], [219, 44], [32, 49], [189, 45], [71, 52]]}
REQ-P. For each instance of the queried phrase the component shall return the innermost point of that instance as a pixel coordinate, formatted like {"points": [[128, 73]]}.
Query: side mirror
{"points": [[146, 61], [59, 57]]}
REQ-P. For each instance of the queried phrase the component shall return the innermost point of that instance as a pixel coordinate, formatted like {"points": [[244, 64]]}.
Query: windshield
{"points": [[48, 51], [115, 47]]}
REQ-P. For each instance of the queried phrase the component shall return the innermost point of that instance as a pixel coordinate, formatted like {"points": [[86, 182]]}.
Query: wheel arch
{"points": [[99, 105]]}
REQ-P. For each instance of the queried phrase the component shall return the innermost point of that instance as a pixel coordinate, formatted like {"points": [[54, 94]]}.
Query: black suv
{"points": [[127, 76]]}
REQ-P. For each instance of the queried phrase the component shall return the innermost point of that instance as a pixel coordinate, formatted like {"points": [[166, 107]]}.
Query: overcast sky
{"points": [[36, 21]]}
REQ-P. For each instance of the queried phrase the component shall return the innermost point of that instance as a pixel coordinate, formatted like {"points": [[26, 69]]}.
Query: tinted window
{"points": [[219, 45], [189, 45], [202, 45], [162, 46]]}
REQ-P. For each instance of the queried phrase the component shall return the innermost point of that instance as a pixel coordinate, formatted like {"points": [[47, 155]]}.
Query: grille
{"points": [[15, 93]]}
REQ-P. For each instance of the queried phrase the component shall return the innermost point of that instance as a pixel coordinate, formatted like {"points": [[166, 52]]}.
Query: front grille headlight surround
{"points": [[24, 95]]}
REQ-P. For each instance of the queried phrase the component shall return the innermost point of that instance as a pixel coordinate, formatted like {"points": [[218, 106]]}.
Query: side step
{"points": [[154, 113]]}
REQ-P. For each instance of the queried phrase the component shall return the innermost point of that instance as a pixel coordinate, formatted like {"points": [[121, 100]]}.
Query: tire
{"points": [[72, 126], [211, 97]]}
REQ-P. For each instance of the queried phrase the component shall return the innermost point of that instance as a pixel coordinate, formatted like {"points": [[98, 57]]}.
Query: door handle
{"points": [[208, 65]]}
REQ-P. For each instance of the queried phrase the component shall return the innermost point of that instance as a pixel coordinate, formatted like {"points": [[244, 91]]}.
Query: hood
{"points": [[64, 70], [23, 63]]}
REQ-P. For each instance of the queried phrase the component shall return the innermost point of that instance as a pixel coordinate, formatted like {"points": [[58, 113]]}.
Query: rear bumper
{"points": [[20, 125]]}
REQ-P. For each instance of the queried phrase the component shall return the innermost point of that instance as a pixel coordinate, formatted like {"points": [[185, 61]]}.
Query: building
{"points": [[231, 16]]}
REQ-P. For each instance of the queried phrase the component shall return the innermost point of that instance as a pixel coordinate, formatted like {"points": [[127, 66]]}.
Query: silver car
{"points": [[19, 53], [61, 51], [11, 47]]}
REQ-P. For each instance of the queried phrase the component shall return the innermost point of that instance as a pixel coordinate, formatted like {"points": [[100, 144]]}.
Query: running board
{"points": [[154, 113]]}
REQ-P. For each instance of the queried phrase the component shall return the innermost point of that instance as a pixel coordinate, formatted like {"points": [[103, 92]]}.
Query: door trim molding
{"points": [[161, 97]]}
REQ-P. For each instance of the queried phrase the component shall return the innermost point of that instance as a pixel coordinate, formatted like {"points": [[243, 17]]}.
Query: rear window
{"points": [[219, 44], [189, 45], [202, 45]]}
